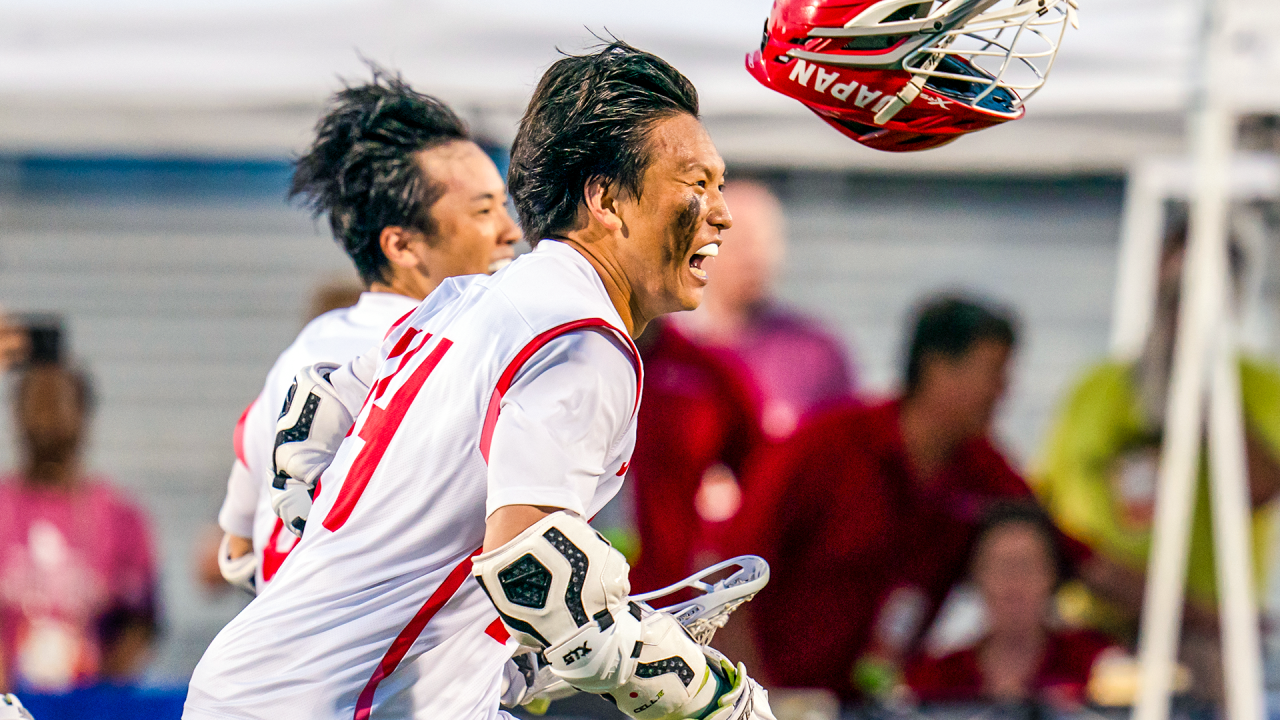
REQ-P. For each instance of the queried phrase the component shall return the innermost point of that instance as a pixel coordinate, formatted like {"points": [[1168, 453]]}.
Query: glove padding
{"points": [[240, 572], [11, 709], [745, 699], [312, 424], [527, 680]]}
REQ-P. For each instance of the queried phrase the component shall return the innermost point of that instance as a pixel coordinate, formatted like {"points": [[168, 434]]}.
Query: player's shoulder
{"points": [[552, 284]]}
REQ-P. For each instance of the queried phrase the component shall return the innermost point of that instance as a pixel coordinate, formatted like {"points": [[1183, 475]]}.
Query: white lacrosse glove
{"points": [[240, 572], [312, 425], [528, 681], [746, 700], [11, 709]]}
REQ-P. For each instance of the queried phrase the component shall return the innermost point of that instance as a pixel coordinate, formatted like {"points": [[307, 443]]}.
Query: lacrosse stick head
{"points": [[710, 610]]}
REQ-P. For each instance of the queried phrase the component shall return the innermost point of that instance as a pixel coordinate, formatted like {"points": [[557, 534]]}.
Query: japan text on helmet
{"points": [[909, 75]]}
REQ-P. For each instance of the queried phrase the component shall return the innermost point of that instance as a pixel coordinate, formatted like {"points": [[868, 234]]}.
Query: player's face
{"points": [[474, 232], [681, 210]]}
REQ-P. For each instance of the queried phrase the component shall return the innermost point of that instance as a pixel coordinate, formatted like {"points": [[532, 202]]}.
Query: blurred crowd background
{"points": [[917, 385]]}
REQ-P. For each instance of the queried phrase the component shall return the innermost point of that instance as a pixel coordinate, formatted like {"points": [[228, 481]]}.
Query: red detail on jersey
{"points": [[396, 324], [509, 374], [400, 646], [498, 631], [403, 342], [237, 436], [381, 386], [623, 470], [272, 556], [378, 429]]}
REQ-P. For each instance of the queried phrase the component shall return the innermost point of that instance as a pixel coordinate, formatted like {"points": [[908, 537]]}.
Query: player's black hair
{"points": [[1026, 512], [361, 170], [950, 325], [589, 119]]}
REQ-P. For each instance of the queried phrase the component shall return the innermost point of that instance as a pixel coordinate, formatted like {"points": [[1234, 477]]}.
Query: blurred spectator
{"points": [[77, 576], [718, 382], [1016, 565], [1099, 473], [13, 341], [697, 420], [866, 515], [797, 365]]}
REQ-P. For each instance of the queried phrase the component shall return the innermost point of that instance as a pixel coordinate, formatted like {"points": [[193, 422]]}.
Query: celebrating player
{"points": [[499, 415], [412, 200]]}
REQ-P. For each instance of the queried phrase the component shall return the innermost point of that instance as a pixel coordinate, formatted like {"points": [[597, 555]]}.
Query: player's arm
{"points": [[236, 562], [557, 584], [235, 553], [320, 408]]}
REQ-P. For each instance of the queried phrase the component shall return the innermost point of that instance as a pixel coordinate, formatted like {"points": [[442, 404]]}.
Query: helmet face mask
{"points": [[906, 68]]}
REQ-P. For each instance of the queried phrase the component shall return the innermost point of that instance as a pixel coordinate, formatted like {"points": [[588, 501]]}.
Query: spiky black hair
{"points": [[589, 119], [361, 170]]}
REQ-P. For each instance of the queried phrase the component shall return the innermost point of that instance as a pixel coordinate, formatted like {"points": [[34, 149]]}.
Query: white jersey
{"points": [[337, 336], [521, 388]]}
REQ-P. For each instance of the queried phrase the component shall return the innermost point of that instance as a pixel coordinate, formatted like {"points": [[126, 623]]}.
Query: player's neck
{"points": [[411, 285], [616, 284]]}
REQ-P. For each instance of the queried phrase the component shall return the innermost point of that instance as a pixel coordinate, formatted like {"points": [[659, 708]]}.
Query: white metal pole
{"points": [[1203, 292], [1135, 300], [1232, 536]]}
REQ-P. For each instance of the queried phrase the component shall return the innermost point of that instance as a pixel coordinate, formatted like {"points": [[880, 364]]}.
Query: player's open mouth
{"points": [[695, 262], [497, 265]]}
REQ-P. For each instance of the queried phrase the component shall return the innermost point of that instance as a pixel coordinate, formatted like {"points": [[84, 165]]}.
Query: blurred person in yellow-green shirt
{"points": [[1098, 476]]}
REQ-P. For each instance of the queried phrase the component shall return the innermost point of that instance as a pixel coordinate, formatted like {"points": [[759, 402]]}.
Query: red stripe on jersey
{"points": [[400, 646], [272, 556], [403, 342], [498, 631], [396, 324], [381, 386], [378, 429], [237, 435], [509, 374]]}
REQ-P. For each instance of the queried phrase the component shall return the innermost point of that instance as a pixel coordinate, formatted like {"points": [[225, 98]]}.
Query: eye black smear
{"points": [[683, 228]]}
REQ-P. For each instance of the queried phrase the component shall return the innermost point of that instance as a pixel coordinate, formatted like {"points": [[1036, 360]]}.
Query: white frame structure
{"points": [[1205, 377]]}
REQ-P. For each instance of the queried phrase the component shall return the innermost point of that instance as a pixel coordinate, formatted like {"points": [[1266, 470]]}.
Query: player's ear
{"points": [[397, 245], [601, 199]]}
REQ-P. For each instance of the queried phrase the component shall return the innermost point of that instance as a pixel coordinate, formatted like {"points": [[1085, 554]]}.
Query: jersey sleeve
{"points": [[236, 515], [238, 507], [353, 380], [561, 422]]}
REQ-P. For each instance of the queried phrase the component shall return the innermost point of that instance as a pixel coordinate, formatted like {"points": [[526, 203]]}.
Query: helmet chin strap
{"points": [[907, 94]]}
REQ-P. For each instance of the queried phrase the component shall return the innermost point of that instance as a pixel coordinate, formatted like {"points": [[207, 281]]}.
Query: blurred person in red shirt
{"points": [[719, 382], [697, 425], [796, 364], [866, 515], [77, 575], [1024, 655]]}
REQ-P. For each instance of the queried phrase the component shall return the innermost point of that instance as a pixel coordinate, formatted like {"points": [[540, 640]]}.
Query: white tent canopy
{"points": [[247, 77]]}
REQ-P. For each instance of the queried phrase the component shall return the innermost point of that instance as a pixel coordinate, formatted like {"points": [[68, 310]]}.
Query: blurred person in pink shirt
{"points": [[77, 575], [795, 363]]}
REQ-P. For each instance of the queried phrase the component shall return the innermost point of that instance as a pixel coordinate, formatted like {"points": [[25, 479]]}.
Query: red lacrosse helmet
{"points": [[903, 75]]}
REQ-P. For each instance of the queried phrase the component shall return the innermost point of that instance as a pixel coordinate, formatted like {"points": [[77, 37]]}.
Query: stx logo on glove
{"points": [[576, 654]]}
